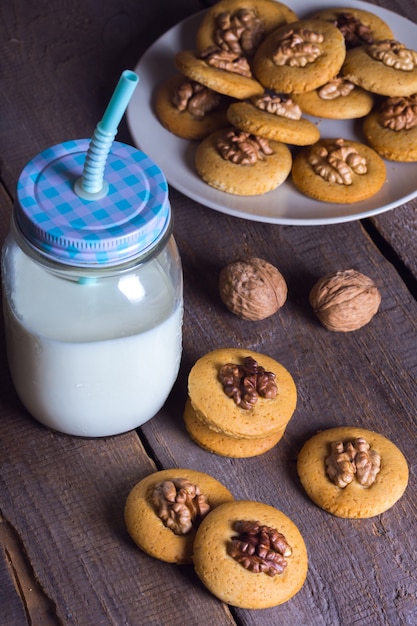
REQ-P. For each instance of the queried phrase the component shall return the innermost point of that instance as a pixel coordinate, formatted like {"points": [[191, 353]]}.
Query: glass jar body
{"points": [[92, 353]]}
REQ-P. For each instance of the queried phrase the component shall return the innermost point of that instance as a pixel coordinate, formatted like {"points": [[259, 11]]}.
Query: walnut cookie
{"points": [[387, 68], [162, 511], [299, 56], [352, 472], [223, 71], [391, 128], [339, 171], [224, 445], [274, 117], [274, 569], [241, 24], [243, 164], [223, 409], [338, 99], [188, 109], [358, 26]]}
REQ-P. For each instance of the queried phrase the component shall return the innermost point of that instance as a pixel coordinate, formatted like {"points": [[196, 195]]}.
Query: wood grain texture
{"points": [[65, 556]]}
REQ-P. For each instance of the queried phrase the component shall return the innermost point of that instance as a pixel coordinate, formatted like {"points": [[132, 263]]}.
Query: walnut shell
{"points": [[345, 300], [252, 289]]}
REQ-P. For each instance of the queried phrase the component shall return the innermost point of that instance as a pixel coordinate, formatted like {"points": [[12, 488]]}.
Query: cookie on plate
{"points": [[338, 99], [224, 445], [222, 71], [188, 109], [391, 128], [274, 117], [358, 26], [352, 472], [157, 516], [299, 56], [240, 25], [242, 394], [387, 68], [242, 164], [339, 171], [250, 581]]}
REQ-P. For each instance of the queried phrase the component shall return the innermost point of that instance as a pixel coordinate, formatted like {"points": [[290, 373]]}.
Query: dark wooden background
{"points": [[66, 557]]}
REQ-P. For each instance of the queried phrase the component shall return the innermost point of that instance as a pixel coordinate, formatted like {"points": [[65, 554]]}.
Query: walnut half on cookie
{"points": [[163, 511], [352, 472], [299, 56], [339, 171], [242, 164], [275, 568]]}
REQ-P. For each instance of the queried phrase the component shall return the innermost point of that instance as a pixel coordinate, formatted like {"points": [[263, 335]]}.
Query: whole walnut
{"points": [[345, 300], [252, 289]]}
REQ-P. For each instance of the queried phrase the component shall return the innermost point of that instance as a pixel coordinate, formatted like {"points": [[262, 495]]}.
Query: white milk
{"points": [[91, 359]]}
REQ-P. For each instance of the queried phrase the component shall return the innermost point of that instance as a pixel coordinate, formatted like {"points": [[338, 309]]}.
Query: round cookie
{"points": [[227, 83], [147, 529], [297, 69], [357, 25], [306, 178], [354, 500], [398, 140], [218, 443], [386, 68], [267, 417], [184, 123], [270, 14], [249, 118], [227, 578], [255, 178], [338, 99]]}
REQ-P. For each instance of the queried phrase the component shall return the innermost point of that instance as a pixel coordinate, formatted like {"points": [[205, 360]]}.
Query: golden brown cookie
{"points": [[241, 24], [387, 68], [339, 171], [242, 164], [222, 444], [266, 417], [359, 27], [300, 56], [216, 554], [275, 118], [338, 99], [354, 500], [391, 128], [147, 528], [224, 81], [189, 110]]}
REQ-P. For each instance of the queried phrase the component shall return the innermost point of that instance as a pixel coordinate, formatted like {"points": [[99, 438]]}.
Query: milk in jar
{"points": [[92, 294]]}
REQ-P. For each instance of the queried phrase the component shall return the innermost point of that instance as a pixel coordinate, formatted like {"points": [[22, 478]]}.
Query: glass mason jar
{"points": [[92, 293]]}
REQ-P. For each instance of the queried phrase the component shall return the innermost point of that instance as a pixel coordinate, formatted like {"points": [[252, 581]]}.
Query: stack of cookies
{"points": [[239, 402], [257, 71]]}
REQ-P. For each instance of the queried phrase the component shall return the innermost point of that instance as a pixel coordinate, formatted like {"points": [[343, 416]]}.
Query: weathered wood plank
{"points": [[64, 498], [399, 231]]}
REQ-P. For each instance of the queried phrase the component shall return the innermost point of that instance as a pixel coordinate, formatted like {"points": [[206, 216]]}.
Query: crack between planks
{"points": [[38, 607], [391, 256]]}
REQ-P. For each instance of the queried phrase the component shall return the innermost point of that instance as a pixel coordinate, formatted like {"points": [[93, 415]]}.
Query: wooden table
{"points": [[66, 557]]}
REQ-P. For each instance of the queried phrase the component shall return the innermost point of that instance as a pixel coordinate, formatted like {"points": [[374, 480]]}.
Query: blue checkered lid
{"points": [[130, 220]]}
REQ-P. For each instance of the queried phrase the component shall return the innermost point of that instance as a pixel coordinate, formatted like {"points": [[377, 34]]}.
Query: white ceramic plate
{"points": [[285, 205]]}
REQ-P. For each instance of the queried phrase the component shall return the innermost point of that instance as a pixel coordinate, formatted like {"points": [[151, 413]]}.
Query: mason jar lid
{"points": [[125, 223]]}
